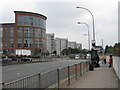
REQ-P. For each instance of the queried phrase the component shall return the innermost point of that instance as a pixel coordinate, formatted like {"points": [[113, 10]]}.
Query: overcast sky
{"points": [[62, 17]]}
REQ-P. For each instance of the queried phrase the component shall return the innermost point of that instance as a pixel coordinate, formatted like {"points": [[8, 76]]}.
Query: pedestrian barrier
{"points": [[50, 79]]}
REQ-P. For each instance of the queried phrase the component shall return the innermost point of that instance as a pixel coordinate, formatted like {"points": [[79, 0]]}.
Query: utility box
{"points": [[91, 67]]}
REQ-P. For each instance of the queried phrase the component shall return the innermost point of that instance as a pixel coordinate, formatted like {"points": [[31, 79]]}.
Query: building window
{"points": [[43, 34], [37, 43], [19, 20], [12, 42], [19, 32], [25, 45], [19, 45], [31, 34], [28, 42], [31, 21], [19, 42], [37, 32], [1, 32], [28, 32], [25, 32], [11, 32], [1, 44], [12, 45], [8, 42]]}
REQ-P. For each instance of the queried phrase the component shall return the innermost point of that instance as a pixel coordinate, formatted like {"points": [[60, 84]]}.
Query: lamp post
{"points": [[88, 33], [93, 22]]}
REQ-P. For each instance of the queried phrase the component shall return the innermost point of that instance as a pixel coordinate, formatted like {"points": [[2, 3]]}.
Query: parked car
{"points": [[6, 60], [77, 57], [26, 59]]}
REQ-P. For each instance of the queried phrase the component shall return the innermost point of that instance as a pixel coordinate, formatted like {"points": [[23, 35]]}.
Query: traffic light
{"points": [[93, 44]]}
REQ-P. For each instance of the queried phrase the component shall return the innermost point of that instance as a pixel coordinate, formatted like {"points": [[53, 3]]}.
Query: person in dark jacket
{"points": [[110, 61], [98, 59]]}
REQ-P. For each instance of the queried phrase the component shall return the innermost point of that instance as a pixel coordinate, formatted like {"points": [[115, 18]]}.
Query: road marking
{"points": [[18, 73]]}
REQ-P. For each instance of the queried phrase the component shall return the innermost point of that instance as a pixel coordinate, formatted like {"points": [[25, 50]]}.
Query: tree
{"points": [[84, 51], [70, 51], [109, 49], [75, 51], [116, 50], [106, 48], [37, 51], [47, 52], [65, 52]]}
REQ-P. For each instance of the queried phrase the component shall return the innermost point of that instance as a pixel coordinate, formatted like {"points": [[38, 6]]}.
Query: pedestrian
{"points": [[98, 61], [104, 58], [110, 61]]}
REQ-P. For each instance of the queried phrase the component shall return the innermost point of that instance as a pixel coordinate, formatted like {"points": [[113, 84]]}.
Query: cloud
{"points": [[63, 17], [8, 7]]}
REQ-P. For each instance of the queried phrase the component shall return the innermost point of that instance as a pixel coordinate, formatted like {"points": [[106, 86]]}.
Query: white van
{"points": [[77, 57]]}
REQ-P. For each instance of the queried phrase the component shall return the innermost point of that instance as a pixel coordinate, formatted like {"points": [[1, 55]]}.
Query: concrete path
{"points": [[103, 77]]}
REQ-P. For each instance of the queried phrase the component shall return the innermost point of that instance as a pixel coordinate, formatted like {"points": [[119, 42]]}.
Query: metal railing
{"points": [[50, 79]]}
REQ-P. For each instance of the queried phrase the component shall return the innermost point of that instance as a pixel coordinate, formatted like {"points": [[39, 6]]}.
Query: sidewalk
{"points": [[103, 77]]}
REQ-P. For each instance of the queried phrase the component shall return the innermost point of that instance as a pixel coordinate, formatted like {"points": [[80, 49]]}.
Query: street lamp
{"points": [[88, 33], [93, 21]]}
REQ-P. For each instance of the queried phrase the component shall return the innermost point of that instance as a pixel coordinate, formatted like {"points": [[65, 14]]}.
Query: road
{"points": [[14, 72]]}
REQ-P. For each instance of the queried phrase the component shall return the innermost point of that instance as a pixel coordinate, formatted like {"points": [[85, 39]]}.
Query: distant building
{"points": [[79, 46], [50, 43], [72, 44], [60, 44], [28, 32], [64, 43]]}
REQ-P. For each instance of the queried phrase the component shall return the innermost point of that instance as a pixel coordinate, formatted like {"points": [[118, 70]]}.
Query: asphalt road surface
{"points": [[14, 72]]}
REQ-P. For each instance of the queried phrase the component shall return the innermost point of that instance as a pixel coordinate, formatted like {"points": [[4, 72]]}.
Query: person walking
{"points": [[104, 58], [97, 61], [110, 61]]}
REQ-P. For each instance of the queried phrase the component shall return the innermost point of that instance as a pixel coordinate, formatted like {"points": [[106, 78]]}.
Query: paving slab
{"points": [[103, 77]]}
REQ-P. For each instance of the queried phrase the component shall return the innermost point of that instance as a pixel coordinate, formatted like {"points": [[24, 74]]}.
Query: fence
{"points": [[50, 79]]}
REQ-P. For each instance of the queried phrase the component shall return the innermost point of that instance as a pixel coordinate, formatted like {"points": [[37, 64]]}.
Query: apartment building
{"points": [[60, 44], [72, 44], [28, 32], [50, 43], [79, 46]]}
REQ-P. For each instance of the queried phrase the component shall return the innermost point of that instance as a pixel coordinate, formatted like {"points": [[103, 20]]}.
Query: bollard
{"points": [[39, 76], [87, 66], [80, 70], [91, 67], [76, 71], [58, 78], [68, 75], [83, 67]]}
